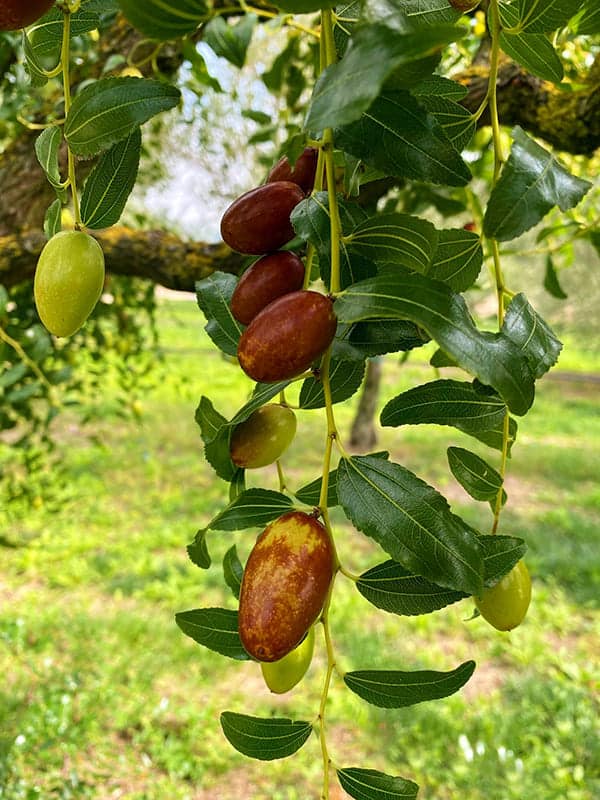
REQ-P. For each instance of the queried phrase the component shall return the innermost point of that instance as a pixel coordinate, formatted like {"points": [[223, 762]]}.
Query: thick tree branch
{"points": [[158, 256]]}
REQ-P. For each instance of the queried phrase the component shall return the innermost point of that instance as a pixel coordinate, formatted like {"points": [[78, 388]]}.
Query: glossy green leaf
{"points": [[159, 20], [345, 377], [376, 337], [427, 12], [214, 298], [253, 508], [47, 145], [109, 184], [45, 37], [475, 475], [398, 136], [369, 784], [535, 53], [438, 86], [458, 259], [524, 326], [551, 282], [494, 437], [52, 219], [215, 433], [311, 493], [214, 628], [491, 357], [263, 392], [392, 239], [457, 121], [264, 739], [233, 571], [108, 110], [589, 21], [198, 550], [544, 16], [410, 520], [501, 553], [395, 689], [345, 90], [230, 41], [445, 402]]}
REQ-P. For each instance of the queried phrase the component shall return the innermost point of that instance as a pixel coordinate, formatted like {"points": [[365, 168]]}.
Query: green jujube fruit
{"points": [[281, 676], [262, 438], [505, 605], [68, 281]]}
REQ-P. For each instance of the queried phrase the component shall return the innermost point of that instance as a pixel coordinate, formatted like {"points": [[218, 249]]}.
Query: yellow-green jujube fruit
{"points": [[505, 605], [281, 676], [68, 281], [263, 437]]}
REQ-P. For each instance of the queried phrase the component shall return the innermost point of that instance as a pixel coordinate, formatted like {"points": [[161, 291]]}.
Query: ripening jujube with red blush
{"points": [[505, 604], [284, 339], [285, 583], [15, 14], [303, 172], [267, 279], [259, 221], [263, 437]]}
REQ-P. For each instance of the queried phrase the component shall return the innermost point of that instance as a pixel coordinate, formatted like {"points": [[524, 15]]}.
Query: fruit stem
{"points": [[326, 682], [25, 358], [281, 476], [65, 61]]}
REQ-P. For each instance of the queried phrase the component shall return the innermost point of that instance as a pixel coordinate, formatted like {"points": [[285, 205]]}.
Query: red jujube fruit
{"points": [[267, 279], [15, 14], [259, 220], [303, 172], [285, 338], [285, 584]]}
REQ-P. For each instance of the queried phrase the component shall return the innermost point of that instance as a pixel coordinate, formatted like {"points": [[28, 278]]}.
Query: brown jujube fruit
{"points": [[285, 584], [15, 14], [303, 172], [267, 279], [287, 336], [259, 221]]}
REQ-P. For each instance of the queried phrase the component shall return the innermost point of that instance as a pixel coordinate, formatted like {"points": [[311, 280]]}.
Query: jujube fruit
{"points": [[68, 281], [285, 584], [263, 437], [281, 676], [15, 14], [267, 279], [285, 338], [505, 605], [303, 172], [259, 221]]}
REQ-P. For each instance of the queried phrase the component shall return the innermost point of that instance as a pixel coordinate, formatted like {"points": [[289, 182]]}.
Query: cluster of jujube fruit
{"points": [[290, 568]]}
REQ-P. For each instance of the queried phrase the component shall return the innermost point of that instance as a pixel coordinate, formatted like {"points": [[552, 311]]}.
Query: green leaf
{"points": [[392, 239], [233, 570], [13, 375], [439, 86], [395, 689], [551, 282], [230, 41], [46, 149], [501, 553], [345, 90], [399, 591], [45, 37], [495, 436], [214, 298], [52, 219], [457, 121], [411, 521], [33, 66], [374, 338], [345, 377], [311, 493], [475, 475], [215, 628], [265, 739], [534, 52], [253, 508], [108, 110], [428, 12], [458, 259], [198, 551], [215, 434], [589, 22], [159, 20], [543, 16], [524, 326], [368, 784], [263, 392], [493, 358], [398, 136], [445, 402], [110, 183]]}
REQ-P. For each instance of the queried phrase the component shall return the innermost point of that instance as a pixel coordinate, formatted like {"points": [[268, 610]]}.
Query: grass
{"points": [[102, 697]]}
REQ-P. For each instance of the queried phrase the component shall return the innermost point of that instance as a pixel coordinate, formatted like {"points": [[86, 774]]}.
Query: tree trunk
{"points": [[363, 435]]}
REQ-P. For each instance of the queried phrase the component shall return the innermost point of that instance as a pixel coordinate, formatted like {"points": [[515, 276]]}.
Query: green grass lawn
{"points": [[103, 697]]}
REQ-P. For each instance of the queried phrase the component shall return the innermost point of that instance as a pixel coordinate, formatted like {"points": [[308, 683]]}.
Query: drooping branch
{"points": [[156, 255]]}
